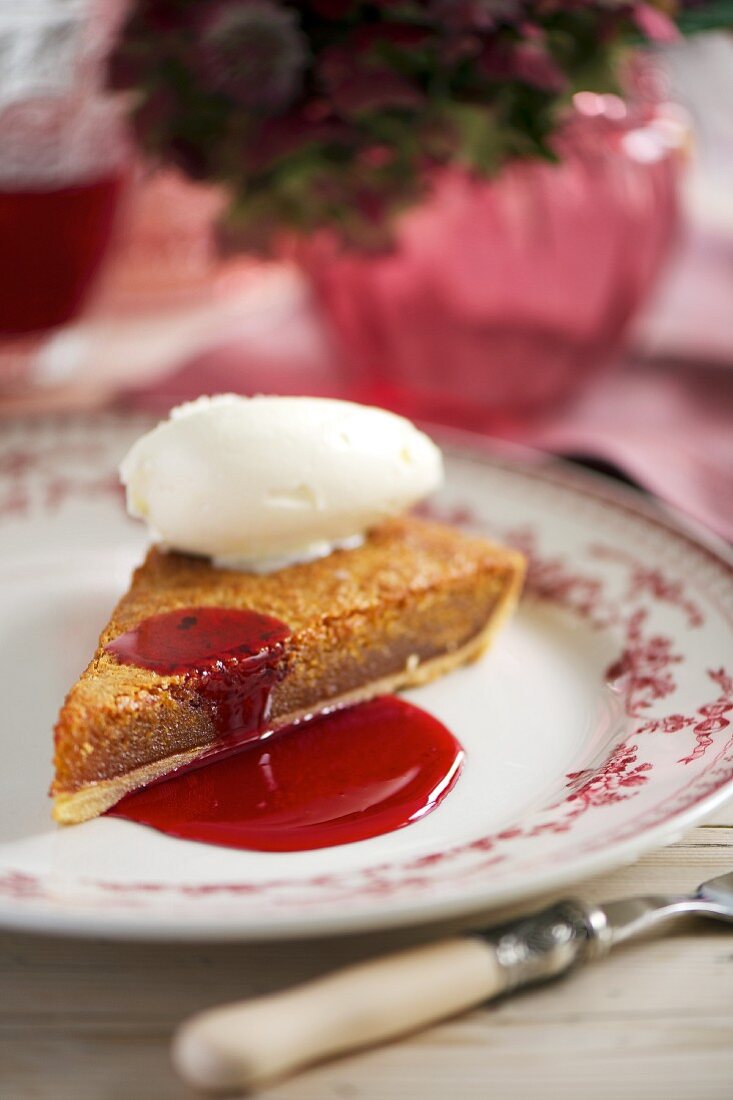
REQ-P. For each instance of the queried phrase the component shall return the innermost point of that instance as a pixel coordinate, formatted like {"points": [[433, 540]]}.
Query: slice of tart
{"points": [[415, 600]]}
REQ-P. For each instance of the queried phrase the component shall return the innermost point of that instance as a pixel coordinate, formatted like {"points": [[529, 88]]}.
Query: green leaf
{"points": [[480, 144], [710, 16]]}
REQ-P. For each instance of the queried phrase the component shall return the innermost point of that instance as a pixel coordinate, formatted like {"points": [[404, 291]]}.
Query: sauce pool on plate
{"points": [[347, 775]]}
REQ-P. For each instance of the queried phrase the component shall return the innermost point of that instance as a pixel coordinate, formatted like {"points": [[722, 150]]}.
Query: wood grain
{"points": [[87, 1020]]}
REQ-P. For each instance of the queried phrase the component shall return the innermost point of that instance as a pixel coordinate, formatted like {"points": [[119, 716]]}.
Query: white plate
{"points": [[596, 729]]}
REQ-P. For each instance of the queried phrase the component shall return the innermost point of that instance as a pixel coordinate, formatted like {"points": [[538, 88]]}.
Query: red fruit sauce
{"points": [[345, 776], [231, 658], [348, 775]]}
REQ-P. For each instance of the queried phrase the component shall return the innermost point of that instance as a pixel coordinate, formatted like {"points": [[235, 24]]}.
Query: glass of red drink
{"points": [[61, 172], [63, 156]]}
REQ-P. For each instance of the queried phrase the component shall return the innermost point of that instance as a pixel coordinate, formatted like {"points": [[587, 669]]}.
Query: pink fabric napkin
{"points": [[665, 416], [669, 427]]}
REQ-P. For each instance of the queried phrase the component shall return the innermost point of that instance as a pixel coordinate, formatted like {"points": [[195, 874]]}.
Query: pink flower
{"points": [[655, 24], [532, 64], [376, 156], [253, 51], [527, 61], [374, 89], [355, 84], [479, 15]]}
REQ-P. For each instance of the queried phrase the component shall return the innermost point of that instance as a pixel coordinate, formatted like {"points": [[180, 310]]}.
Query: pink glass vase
{"points": [[502, 297]]}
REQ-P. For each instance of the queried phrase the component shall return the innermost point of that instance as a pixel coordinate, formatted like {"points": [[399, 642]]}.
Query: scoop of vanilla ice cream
{"points": [[258, 483]]}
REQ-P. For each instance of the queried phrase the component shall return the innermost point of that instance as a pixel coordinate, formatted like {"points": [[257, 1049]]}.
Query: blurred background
{"points": [[506, 217]]}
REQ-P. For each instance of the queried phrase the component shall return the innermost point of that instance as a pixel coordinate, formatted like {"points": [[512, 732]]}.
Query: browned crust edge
{"points": [[92, 800]]}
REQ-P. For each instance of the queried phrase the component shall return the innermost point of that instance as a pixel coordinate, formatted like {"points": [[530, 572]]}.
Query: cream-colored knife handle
{"points": [[245, 1045], [242, 1046]]}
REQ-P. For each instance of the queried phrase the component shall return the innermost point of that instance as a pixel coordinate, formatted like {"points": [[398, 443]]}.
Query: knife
{"points": [[243, 1046]]}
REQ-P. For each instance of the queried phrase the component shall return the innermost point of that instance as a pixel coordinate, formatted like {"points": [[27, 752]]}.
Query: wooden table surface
{"points": [[88, 1020]]}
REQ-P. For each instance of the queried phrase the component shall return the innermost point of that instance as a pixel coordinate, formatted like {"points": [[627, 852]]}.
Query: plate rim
{"points": [[227, 929]]}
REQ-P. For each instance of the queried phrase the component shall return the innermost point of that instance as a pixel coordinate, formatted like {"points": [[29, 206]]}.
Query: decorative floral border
{"points": [[644, 675]]}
